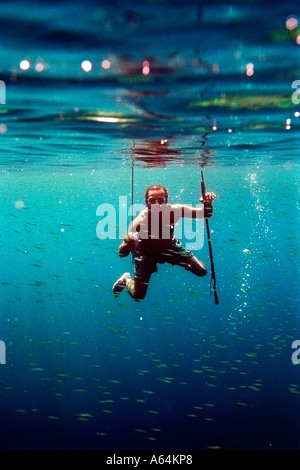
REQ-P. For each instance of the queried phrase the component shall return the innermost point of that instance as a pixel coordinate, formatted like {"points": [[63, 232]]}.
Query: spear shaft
{"points": [[212, 266]]}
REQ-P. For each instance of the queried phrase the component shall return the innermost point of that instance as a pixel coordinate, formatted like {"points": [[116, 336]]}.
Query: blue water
{"points": [[85, 370]]}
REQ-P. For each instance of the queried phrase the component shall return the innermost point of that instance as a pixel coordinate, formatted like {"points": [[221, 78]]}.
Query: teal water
{"points": [[85, 370]]}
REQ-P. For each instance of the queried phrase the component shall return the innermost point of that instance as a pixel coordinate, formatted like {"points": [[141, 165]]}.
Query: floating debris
{"points": [[62, 375], [251, 103], [83, 416], [220, 346], [166, 380], [20, 411], [294, 388]]}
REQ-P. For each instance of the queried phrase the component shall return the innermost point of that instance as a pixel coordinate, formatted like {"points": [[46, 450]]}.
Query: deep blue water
{"points": [[85, 370]]}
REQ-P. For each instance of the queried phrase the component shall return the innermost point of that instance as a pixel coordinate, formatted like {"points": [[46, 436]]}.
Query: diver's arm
{"points": [[127, 244], [207, 203]]}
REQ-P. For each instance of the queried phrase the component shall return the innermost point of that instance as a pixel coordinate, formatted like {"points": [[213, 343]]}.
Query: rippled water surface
{"points": [[99, 100]]}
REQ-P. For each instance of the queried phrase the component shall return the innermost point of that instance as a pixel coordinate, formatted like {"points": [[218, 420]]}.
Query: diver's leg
{"points": [[193, 264], [137, 286], [120, 284], [144, 267], [180, 256], [137, 289]]}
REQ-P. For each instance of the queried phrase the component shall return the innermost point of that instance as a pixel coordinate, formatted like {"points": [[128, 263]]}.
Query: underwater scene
{"points": [[99, 100]]}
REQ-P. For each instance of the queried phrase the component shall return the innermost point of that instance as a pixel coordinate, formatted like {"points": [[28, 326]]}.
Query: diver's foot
{"points": [[120, 284]]}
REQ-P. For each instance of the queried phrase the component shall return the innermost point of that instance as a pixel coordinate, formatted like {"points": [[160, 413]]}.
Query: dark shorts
{"points": [[145, 265]]}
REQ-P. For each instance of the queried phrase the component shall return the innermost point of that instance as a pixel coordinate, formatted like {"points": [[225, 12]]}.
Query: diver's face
{"points": [[156, 196]]}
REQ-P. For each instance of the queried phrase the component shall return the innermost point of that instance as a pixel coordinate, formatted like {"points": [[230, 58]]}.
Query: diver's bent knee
{"points": [[139, 297], [197, 268], [139, 291], [201, 271]]}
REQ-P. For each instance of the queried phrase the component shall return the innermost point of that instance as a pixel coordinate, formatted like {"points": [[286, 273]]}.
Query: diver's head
{"points": [[156, 194]]}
